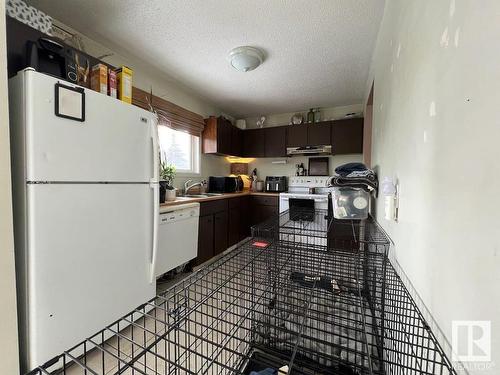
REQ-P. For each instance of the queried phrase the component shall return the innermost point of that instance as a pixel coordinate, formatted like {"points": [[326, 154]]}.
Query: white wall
{"points": [[436, 69], [331, 113], [9, 354], [147, 77]]}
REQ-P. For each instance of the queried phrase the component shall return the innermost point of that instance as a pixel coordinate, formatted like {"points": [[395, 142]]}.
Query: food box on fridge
{"points": [[99, 78], [124, 83], [112, 83]]}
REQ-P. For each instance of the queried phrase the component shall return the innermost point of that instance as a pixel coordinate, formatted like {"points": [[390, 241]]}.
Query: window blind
{"points": [[169, 114]]}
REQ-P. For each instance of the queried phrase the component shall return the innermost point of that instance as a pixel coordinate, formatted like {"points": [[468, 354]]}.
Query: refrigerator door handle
{"points": [[156, 218], [156, 153], [154, 183]]}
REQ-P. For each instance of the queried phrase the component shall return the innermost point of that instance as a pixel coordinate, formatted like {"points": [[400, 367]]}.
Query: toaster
{"points": [[275, 184]]}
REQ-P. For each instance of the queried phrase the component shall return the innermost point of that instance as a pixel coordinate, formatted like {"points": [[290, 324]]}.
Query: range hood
{"points": [[309, 150]]}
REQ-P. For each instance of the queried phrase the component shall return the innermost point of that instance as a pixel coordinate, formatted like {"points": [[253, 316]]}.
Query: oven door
{"points": [[320, 200]]}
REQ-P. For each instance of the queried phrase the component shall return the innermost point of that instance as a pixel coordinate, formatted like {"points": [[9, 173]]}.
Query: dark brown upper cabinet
{"points": [[275, 141], [236, 141], [297, 135], [222, 138], [254, 143], [216, 136], [319, 134], [347, 136]]}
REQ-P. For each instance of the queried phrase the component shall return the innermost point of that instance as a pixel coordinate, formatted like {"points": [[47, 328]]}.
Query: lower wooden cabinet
{"points": [[238, 220], [205, 239], [212, 230], [220, 232], [263, 208], [225, 222]]}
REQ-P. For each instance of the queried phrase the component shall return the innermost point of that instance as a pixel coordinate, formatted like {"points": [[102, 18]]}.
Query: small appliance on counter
{"points": [[276, 184], [222, 184], [239, 169]]}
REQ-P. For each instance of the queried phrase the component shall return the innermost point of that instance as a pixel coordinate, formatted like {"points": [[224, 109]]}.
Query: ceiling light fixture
{"points": [[245, 58]]}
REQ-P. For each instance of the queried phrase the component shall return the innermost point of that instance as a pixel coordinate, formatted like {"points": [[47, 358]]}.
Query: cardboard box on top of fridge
{"points": [[99, 78], [112, 83], [124, 83]]}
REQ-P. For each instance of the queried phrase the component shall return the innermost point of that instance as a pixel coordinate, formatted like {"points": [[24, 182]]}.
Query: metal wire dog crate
{"points": [[306, 294]]}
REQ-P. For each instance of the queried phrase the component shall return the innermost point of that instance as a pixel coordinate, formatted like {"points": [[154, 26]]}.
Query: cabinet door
{"points": [[347, 136], [234, 225], [236, 141], [275, 141], [253, 143], [205, 239], [296, 135], [261, 213], [223, 136], [319, 134], [267, 212], [209, 136], [244, 217], [220, 232]]}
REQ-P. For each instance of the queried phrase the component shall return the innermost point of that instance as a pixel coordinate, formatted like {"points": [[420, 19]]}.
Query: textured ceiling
{"points": [[317, 51]]}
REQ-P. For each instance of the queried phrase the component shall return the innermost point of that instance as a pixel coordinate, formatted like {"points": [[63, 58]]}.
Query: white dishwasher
{"points": [[177, 236]]}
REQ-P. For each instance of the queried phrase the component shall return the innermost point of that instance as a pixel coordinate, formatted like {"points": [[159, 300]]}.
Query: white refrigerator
{"points": [[85, 208]]}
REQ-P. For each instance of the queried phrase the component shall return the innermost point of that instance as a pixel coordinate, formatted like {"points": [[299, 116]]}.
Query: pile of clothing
{"points": [[355, 175]]}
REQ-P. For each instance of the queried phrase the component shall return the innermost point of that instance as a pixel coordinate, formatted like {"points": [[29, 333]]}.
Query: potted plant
{"points": [[167, 175]]}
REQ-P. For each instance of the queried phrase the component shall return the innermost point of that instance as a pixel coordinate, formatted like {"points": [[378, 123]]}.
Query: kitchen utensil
{"points": [[259, 186]]}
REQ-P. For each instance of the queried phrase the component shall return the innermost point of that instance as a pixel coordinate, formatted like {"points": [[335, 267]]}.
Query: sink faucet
{"points": [[188, 187]]}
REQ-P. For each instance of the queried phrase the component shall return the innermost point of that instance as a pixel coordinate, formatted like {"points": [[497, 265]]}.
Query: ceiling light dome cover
{"points": [[245, 58]]}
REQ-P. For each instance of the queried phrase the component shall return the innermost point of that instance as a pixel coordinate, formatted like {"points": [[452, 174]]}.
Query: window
{"points": [[180, 148]]}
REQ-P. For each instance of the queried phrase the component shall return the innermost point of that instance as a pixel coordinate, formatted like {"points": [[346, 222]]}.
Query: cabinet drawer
{"points": [[264, 200], [208, 208]]}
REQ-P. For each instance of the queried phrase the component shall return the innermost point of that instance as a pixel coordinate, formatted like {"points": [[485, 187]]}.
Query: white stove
{"points": [[306, 187], [309, 188]]}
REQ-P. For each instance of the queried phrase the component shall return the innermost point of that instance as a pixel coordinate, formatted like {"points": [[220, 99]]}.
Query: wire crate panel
{"points": [[329, 305]]}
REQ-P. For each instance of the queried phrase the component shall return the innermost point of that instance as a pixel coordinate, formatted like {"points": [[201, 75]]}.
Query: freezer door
{"points": [[116, 142], [88, 261]]}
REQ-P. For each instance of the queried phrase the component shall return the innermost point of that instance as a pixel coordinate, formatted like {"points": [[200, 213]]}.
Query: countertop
{"points": [[184, 200]]}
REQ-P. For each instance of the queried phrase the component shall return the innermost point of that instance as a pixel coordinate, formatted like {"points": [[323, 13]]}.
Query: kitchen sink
{"points": [[206, 195]]}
